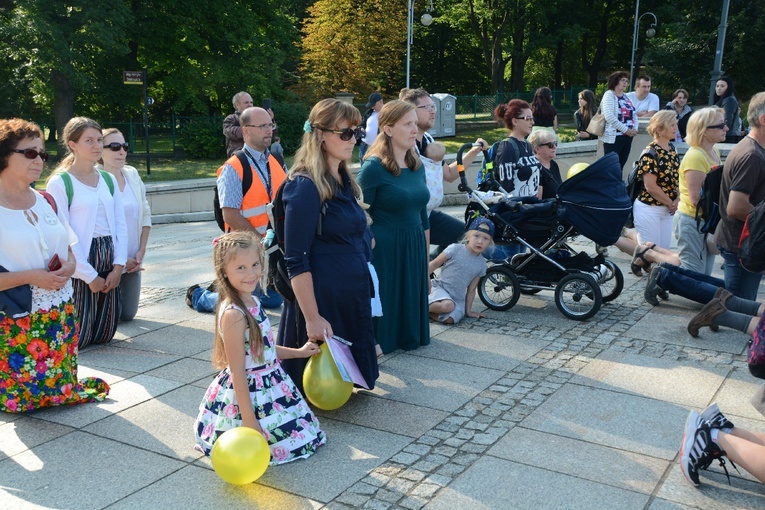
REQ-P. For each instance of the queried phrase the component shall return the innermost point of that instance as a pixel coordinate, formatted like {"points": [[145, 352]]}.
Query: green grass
{"points": [[171, 169]]}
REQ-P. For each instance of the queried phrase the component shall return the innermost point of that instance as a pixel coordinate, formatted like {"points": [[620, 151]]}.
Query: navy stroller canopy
{"points": [[595, 201]]}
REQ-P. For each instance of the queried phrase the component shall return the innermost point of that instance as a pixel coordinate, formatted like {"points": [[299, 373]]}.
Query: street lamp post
{"points": [[426, 20], [648, 33]]}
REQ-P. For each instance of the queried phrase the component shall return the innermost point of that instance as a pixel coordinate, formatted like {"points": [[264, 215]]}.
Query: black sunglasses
{"points": [[116, 146], [550, 145], [32, 154], [348, 133], [717, 126]]}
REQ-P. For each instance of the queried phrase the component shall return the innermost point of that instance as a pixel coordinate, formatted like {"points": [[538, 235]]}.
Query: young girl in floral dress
{"points": [[244, 348]]}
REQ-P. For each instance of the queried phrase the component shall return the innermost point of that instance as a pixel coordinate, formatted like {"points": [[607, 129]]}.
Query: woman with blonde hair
{"points": [[544, 145], [657, 167], [137, 218], [706, 127], [89, 201], [393, 181], [324, 250]]}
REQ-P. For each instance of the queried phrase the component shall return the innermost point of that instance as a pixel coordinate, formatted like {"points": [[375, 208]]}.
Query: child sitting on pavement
{"points": [[452, 294]]}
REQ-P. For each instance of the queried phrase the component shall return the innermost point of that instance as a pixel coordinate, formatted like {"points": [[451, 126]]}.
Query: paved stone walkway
{"points": [[523, 409]]}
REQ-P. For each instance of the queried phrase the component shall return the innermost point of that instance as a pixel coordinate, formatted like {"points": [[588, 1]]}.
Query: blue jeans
{"points": [[362, 151], [738, 280], [501, 252], [687, 283], [203, 300]]}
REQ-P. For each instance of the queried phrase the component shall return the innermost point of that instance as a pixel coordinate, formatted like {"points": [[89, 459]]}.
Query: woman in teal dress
{"points": [[393, 181]]}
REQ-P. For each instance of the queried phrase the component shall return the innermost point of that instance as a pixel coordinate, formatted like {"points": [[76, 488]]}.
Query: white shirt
{"points": [[372, 128], [649, 104]]}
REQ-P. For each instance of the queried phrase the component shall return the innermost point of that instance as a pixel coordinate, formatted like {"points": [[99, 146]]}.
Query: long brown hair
{"points": [[311, 157], [589, 111], [382, 147], [227, 246]]}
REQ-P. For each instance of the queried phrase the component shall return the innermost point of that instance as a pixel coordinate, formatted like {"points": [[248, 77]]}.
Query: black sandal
{"points": [[640, 255]]}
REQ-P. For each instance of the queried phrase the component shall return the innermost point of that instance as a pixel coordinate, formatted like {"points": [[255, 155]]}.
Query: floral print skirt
{"points": [[288, 423], [38, 362]]}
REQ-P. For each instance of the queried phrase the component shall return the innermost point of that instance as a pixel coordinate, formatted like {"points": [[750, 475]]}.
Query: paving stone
{"points": [[387, 495], [417, 449], [413, 503], [363, 488], [425, 490], [412, 474], [400, 485], [405, 458], [353, 499]]}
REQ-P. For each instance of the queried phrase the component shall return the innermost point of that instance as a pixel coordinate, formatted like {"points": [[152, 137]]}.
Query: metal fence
{"points": [[478, 107]]}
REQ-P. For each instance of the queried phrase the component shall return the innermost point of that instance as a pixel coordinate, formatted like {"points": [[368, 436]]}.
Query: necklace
{"points": [[89, 179], [20, 204]]}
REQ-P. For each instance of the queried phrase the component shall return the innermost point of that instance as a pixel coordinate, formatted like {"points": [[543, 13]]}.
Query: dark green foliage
{"points": [[290, 118], [203, 138]]}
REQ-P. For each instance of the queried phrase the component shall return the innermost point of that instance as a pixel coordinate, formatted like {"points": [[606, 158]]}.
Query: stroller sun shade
{"points": [[595, 201]]}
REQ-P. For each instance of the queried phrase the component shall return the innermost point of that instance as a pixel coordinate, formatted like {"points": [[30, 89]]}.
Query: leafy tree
{"points": [[353, 45], [60, 48]]}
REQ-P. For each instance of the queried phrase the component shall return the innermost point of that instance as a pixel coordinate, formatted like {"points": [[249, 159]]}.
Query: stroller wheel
{"points": [[577, 296], [499, 288], [614, 283]]}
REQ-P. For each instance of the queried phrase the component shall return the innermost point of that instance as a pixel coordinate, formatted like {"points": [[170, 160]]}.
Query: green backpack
{"points": [[70, 189]]}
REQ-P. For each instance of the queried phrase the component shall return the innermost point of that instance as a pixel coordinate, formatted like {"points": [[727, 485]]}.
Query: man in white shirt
{"points": [[645, 102]]}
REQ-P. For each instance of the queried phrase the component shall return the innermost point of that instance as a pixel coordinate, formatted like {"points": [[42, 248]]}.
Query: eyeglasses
{"points": [[347, 133], [717, 126], [428, 107], [32, 154], [116, 146], [551, 145], [527, 117], [262, 127]]}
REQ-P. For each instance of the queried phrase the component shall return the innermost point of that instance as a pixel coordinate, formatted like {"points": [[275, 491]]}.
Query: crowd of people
{"points": [[357, 250]]}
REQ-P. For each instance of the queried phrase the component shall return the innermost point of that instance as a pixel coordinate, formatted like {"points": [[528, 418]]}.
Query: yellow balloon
{"points": [[323, 385], [240, 456], [575, 169]]}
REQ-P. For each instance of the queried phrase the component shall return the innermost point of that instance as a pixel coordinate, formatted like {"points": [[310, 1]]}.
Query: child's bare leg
{"points": [[659, 254], [626, 245], [438, 308], [744, 452]]}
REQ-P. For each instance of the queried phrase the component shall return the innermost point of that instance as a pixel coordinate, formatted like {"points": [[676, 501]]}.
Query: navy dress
{"points": [[337, 262]]}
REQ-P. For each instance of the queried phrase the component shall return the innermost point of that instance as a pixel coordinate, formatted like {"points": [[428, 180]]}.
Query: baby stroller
{"points": [[593, 203]]}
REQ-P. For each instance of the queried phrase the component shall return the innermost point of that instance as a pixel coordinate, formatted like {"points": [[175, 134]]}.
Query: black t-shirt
{"points": [[550, 179]]}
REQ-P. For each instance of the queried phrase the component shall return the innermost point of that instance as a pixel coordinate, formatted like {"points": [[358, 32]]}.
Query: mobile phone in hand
{"points": [[55, 263], [266, 104]]}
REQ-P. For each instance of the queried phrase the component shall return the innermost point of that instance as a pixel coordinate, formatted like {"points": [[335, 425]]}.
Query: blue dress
{"points": [[337, 262], [397, 205]]}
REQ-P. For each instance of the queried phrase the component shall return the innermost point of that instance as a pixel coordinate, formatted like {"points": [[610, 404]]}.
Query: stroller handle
{"points": [[463, 185]]}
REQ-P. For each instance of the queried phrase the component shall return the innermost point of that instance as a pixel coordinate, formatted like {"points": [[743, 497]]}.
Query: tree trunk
{"points": [[497, 68], [519, 59], [558, 65], [63, 100]]}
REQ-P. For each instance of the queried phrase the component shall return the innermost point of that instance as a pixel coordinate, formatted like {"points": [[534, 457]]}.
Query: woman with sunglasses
{"points": [[324, 247], [38, 340], [137, 218], [544, 145], [705, 128], [393, 181], [91, 202]]}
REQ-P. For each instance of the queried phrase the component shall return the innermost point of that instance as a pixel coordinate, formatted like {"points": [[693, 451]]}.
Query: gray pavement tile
{"points": [[596, 463], [170, 311], [111, 375], [123, 395], [689, 386], [204, 355], [714, 492], [9, 417], [350, 453], [608, 418], [137, 327], [669, 324], [735, 393], [186, 370], [496, 483], [203, 489], [101, 472], [663, 504], [431, 383], [163, 424], [182, 339], [489, 350], [27, 432], [391, 416], [115, 357]]}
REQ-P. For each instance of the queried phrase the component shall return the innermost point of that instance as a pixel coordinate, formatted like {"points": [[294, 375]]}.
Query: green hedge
{"points": [[202, 138], [290, 118]]}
